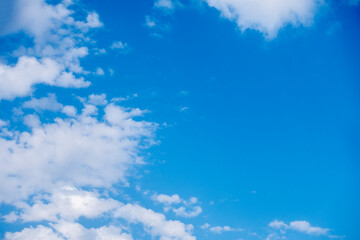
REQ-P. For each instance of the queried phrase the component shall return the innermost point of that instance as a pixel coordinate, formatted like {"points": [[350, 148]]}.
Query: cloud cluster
{"points": [[87, 149], [268, 16], [188, 210], [57, 44], [65, 205]]}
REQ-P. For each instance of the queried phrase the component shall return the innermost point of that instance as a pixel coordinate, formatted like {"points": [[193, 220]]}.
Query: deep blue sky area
{"points": [[257, 129], [278, 117]]}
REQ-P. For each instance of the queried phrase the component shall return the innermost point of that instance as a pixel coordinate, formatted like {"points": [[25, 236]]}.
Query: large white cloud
{"points": [[86, 150], [267, 16]]}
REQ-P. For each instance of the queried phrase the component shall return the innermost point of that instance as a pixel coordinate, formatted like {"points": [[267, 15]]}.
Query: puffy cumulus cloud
{"points": [[300, 226], [82, 150], [269, 16], [53, 56], [45, 103], [18, 80], [155, 223]]}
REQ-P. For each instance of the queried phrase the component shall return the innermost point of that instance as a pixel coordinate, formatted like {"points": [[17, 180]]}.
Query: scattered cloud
{"points": [[188, 210], [100, 71], [120, 46], [156, 223], [183, 109], [300, 226], [150, 22], [220, 229]]}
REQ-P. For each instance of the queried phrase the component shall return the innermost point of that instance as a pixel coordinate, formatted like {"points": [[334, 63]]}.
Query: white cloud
{"points": [[100, 71], [64, 203], [278, 224], [98, 99], [46, 103], [169, 4], [182, 212], [75, 231], [155, 223], [166, 199], [220, 229], [205, 226], [69, 110], [268, 16], [39, 233], [32, 120], [303, 226], [18, 80], [183, 109], [188, 212], [3, 123], [81, 151], [53, 56], [150, 21], [69, 231], [300, 226], [120, 46], [92, 21]]}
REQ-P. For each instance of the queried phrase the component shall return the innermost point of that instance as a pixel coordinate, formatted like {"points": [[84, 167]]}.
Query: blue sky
{"points": [[179, 120]]}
